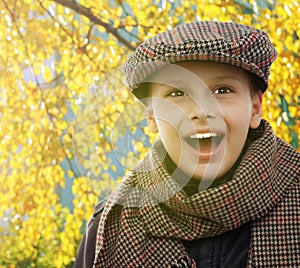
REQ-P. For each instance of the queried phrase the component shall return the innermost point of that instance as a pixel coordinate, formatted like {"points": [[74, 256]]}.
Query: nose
{"points": [[202, 110]]}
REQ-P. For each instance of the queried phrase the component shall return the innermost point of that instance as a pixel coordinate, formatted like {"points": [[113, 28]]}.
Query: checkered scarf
{"points": [[144, 222]]}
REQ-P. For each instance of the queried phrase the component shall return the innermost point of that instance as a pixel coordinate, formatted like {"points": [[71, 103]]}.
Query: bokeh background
{"points": [[69, 129]]}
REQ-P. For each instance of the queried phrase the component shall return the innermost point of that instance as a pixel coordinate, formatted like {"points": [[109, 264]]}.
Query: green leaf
{"points": [[295, 139]]}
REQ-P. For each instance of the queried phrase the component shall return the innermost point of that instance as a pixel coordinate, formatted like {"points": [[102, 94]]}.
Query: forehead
{"points": [[197, 74], [189, 69]]}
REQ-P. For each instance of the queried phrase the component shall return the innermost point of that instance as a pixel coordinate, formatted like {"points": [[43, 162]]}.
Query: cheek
{"points": [[237, 116], [170, 137], [167, 114], [237, 123]]}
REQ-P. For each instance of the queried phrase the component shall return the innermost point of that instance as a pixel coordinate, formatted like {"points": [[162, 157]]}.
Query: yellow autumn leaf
{"points": [[52, 57]]}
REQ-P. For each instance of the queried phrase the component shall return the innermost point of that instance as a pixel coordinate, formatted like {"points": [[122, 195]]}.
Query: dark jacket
{"points": [[226, 250]]}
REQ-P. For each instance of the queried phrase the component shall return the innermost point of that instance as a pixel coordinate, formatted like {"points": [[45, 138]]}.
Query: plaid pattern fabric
{"points": [[223, 42], [137, 230]]}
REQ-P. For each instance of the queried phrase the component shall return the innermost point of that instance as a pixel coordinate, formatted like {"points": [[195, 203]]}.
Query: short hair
{"points": [[142, 92], [256, 83]]}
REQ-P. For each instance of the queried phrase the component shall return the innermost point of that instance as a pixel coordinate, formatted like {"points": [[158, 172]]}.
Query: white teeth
{"points": [[203, 135]]}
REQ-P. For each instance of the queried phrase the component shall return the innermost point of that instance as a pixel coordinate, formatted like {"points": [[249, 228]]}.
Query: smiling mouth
{"points": [[205, 142]]}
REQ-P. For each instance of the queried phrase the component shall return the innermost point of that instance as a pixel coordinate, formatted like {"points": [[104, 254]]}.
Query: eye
{"points": [[177, 93], [222, 90]]}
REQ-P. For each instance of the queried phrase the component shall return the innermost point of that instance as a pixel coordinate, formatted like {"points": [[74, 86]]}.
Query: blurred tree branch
{"points": [[96, 20]]}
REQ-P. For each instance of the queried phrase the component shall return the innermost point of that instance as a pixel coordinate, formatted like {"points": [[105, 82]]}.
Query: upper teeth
{"points": [[203, 135]]}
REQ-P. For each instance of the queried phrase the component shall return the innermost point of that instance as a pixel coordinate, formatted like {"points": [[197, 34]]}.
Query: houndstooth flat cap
{"points": [[222, 42]]}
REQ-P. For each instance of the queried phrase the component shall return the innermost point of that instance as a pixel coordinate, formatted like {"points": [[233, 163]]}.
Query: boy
{"points": [[217, 189]]}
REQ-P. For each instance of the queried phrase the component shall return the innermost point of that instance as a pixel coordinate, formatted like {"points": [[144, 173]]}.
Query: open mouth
{"points": [[205, 142]]}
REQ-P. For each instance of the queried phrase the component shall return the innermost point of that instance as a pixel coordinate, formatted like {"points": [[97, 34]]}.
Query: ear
{"points": [[256, 110], [151, 121]]}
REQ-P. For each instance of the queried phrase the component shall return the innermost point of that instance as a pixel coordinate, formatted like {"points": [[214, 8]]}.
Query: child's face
{"points": [[203, 113]]}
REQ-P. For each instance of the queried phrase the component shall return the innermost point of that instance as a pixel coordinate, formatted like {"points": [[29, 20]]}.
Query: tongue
{"points": [[205, 145], [202, 145]]}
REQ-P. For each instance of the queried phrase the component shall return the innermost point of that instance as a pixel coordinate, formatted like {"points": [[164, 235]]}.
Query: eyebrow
{"points": [[221, 77], [182, 83], [169, 82], [225, 77]]}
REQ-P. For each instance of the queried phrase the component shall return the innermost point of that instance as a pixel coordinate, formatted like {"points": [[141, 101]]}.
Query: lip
{"points": [[204, 130], [214, 150]]}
